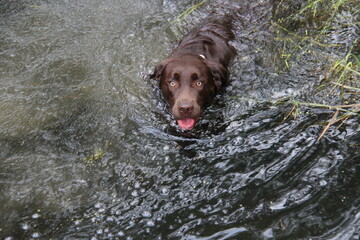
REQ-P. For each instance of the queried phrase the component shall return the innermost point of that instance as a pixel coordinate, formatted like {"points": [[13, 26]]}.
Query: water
{"points": [[88, 150]]}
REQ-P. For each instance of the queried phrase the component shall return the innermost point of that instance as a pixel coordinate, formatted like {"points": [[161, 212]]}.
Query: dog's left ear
{"points": [[219, 74]]}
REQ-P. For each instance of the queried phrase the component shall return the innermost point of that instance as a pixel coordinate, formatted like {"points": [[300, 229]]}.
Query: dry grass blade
{"points": [[331, 121], [346, 87], [348, 106]]}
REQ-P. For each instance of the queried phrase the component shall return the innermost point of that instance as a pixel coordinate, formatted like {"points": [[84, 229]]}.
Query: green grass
{"points": [[314, 30], [346, 69], [188, 11], [94, 158], [318, 21]]}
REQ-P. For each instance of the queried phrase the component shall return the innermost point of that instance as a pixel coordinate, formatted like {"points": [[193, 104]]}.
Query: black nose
{"points": [[185, 107]]}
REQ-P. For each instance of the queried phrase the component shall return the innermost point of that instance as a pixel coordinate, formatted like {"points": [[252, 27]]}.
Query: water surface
{"points": [[89, 151]]}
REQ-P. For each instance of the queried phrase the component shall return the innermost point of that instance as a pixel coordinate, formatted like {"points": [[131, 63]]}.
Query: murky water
{"points": [[88, 150]]}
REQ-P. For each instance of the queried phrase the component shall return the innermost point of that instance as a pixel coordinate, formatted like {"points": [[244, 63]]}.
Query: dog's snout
{"points": [[185, 107]]}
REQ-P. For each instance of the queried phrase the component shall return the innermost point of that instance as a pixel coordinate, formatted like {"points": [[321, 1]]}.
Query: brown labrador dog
{"points": [[190, 77]]}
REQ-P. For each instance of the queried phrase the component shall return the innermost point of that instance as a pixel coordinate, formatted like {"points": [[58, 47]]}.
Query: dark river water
{"points": [[89, 151]]}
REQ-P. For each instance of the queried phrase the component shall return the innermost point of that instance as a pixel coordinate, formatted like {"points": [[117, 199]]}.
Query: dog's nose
{"points": [[185, 107]]}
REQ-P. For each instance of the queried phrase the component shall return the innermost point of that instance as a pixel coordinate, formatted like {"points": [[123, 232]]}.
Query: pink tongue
{"points": [[186, 124]]}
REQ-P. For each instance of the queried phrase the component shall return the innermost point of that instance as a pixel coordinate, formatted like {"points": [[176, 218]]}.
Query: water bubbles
{"points": [[25, 226], [121, 234], [35, 216], [101, 210], [137, 185], [134, 193], [238, 141], [35, 235], [98, 205], [181, 195], [164, 191], [323, 183], [150, 223], [146, 214]]}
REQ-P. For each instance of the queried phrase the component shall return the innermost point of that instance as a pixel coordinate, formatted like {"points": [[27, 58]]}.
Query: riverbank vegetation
{"points": [[326, 31]]}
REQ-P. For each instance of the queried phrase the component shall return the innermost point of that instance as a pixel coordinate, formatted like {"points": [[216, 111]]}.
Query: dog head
{"points": [[188, 84]]}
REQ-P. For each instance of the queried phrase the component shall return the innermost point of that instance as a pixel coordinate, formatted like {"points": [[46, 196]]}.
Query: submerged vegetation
{"points": [[95, 157], [188, 11], [326, 31]]}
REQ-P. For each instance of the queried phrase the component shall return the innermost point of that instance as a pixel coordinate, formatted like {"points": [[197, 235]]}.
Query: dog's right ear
{"points": [[158, 70]]}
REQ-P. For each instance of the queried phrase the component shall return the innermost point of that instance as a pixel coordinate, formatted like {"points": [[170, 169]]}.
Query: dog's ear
{"points": [[158, 70], [219, 74]]}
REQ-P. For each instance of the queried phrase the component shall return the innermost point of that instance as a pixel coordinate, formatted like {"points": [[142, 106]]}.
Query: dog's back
{"points": [[210, 40]]}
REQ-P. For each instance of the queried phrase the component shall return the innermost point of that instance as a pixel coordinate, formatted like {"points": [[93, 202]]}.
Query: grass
{"points": [[319, 19], [188, 11], [316, 25], [346, 68], [94, 158], [350, 110], [178, 22]]}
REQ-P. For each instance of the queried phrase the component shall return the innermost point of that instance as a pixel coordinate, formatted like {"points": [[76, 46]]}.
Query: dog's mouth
{"points": [[186, 123]]}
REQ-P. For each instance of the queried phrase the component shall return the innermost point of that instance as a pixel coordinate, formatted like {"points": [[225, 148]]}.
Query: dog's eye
{"points": [[172, 83], [199, 83]]}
